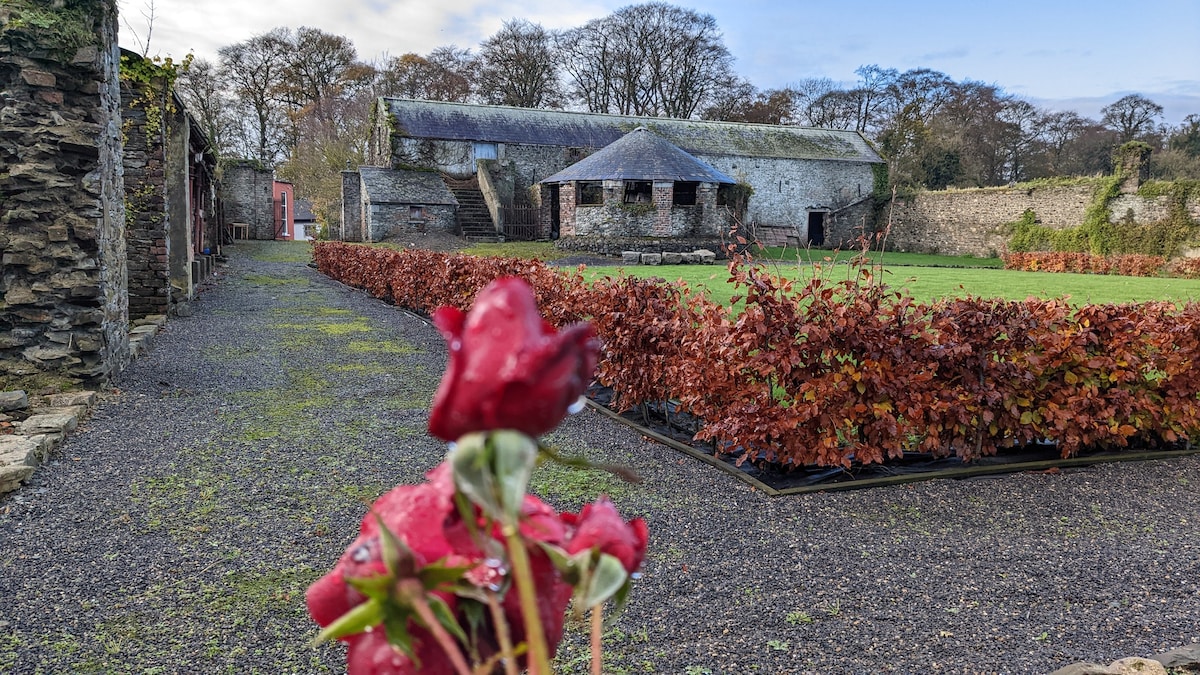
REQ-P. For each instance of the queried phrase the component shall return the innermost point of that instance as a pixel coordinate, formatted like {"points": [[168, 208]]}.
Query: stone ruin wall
{"points": [[63, 289]]}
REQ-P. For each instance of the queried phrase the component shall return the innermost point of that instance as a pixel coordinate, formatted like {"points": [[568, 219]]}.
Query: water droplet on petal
{"points": [[635, 575], [451, 446], [494, 588], [369, 629], [578, 406], [361, 554]]}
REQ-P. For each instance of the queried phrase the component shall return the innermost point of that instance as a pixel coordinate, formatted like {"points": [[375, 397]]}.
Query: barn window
{"points": [[591, 193], [684, 194], [416, 213], [639, 192]]}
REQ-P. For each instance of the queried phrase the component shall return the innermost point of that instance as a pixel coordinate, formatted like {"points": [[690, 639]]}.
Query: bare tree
{"points": [[207, 98], [1131, 116], [443, 75], [872, 93], [518, 66], [255, 70], [321, 70], [652, 59]]}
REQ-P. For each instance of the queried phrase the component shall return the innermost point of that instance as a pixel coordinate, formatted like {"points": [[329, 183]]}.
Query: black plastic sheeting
{"points": [[664, 419]]}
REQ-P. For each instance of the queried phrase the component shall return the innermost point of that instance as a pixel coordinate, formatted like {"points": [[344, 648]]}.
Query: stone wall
{"points": [[962, 222], [247, 196], [615, 246], [786, 189], [63, 289], [973, 222], [145, 200], [352, 208], [384, 221]]}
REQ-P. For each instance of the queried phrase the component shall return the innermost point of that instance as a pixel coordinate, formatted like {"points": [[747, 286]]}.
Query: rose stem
{"points": [[597, 637], [502, 634], [535, 638]]}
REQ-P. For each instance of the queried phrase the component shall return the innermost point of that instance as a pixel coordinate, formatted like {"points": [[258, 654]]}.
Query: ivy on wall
{"points": [[1099, 235], [61, 27]]}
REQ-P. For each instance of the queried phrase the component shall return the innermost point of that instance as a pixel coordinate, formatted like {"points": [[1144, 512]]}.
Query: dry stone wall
{"points": [[973, 222], [63, 289], [962, 222]]}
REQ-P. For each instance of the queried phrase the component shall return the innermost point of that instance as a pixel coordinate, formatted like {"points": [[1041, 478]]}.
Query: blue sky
{"points": [[1059, 54]]}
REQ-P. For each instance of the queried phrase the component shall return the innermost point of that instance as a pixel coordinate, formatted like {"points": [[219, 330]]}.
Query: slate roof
{"points": [[304, 212], [503, 124], [640, 155], [396, 186]]}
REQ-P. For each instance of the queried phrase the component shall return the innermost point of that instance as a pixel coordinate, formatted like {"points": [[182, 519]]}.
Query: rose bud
{"points": [[508, 368], [599, 525]]}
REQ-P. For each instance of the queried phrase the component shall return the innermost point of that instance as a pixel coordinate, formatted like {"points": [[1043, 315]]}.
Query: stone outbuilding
{"points": [[805, 185], [382, 203], [640, 185]]}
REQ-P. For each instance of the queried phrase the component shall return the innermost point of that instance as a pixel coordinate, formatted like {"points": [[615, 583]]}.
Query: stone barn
{"points": [[807, 184]]}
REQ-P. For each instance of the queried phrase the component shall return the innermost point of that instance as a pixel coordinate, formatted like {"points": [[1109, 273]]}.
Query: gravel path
{"points": [[177, 529]]}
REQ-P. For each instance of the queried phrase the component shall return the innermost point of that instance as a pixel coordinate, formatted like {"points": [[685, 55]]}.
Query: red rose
{"points": [[600, 526], [425, 518], [508, 368]]}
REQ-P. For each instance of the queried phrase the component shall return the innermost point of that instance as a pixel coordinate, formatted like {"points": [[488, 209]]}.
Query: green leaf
{"points": [[623, 472], [446, 617], [606, 579], [357, 620]]}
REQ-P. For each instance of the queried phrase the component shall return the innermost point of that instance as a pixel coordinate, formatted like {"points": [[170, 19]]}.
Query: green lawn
{"points": [[928, 283], [925, 276]]}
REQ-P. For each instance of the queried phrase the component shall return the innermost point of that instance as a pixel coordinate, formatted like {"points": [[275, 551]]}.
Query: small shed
{"points": [[395, 202], [640, 185]]}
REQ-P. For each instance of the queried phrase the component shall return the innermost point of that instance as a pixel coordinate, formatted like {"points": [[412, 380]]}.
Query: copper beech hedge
{"points": [[840, 372]]}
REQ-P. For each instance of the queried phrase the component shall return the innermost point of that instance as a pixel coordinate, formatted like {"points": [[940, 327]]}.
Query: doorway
{"points": [[816, 228]]}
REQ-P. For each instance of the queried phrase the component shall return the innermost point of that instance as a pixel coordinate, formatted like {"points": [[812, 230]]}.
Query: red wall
{"points": [[285, 210]]}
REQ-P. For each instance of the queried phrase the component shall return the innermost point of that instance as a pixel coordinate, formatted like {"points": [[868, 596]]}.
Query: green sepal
{"points": [[396, 625], [378, 587], [438, 575], [353, 622], [473, 476], [604, 580], [571, 567], [493, 469], [400, 560], [515, 457], [442, 612], [620, 599]]}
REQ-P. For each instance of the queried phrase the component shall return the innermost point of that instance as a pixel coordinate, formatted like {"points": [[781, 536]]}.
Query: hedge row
{"points": [[833, 373], [1131, 265]]}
